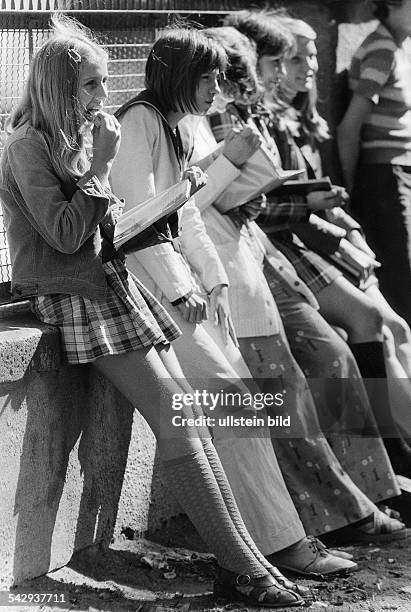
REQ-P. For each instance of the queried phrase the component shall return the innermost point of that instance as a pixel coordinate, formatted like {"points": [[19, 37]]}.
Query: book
{"points": [[143, 215], [355, 263], [296, 187], [260, 174]]}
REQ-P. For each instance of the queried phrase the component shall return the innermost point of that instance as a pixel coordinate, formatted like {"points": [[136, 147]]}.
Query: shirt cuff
{"points": [[90, 185], [182, 299]]}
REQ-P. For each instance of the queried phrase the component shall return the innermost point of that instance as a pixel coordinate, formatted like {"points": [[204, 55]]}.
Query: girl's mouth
{"points": [[90, 113]]}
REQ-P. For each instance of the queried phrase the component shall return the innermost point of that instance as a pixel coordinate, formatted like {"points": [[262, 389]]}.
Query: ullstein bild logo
{"points": [[231, 421]]}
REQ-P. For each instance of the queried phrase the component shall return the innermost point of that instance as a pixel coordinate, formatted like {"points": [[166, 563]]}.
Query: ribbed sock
{"points": [[230, 502], [195, 486]]}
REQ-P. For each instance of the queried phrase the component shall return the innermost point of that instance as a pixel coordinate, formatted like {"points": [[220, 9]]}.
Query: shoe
{"points": [[335, 552], [266, 591], [389, 511], [309, 557], [378, 529], [302, 591]]}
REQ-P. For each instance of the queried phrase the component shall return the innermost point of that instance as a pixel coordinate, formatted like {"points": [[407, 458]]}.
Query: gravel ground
{"points": [[141, 575]]}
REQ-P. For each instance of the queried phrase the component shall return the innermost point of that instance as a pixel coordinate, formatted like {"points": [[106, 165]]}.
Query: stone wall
{"points": [[76, 462]]}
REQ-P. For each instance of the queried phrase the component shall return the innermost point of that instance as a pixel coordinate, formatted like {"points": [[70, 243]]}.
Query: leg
{"points": [[197, 479], [399, 386], [249, 461], [314, 476], [398, 327], [341, 302], [309, 465], [184, 460], [345, 306], [381, 200], [340, 397]]}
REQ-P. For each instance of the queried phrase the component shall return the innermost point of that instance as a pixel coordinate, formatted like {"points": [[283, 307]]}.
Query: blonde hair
{"points": [[305, 120], [50, 98]]}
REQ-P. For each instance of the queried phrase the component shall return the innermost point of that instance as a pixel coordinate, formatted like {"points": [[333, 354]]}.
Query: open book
{"points": [[260, 174], [142, 216], [303, 187]]}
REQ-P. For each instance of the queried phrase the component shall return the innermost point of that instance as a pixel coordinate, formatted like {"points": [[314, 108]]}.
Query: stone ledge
{"points": [[77, 463], [13, 309], [27, 345]]}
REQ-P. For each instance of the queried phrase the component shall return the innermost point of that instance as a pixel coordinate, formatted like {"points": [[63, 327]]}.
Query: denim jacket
{"points": [[52, 227]]}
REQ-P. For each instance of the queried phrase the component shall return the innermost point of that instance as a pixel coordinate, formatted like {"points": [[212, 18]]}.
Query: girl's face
{"points": [[92, 85], [271, 69], [222, 99], [301, 68], [207, 89]]}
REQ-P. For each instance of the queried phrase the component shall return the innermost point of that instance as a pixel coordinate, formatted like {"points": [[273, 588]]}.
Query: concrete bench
{"points": [[77, 463]]}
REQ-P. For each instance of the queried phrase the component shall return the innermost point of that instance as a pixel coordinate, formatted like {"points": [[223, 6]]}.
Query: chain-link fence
{"points": [[127, 27]]}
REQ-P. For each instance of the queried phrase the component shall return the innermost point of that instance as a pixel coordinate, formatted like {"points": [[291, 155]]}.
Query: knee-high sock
{"points": [[198, 491], [230, 502], [370, 359], [371, 363]]}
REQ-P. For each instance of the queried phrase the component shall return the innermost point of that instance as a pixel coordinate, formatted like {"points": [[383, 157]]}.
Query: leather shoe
{"points": [[309, 557]]}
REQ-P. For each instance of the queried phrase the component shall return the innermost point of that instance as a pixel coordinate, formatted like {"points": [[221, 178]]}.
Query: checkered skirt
{"points": [[128, 319], [314, 270]]}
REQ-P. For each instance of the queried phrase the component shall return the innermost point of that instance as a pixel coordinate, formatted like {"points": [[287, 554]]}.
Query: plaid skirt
{"points": [[128, 319], [313, 269]]}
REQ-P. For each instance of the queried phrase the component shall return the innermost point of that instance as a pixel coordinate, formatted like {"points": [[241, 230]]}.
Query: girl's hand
{"points": [[242, 215], [357, 239], [351, 254], [250, 210], [106, 143], [240, 146], [322, 200], [197, 178], [193, 309], [220, 312], [116, 206]]}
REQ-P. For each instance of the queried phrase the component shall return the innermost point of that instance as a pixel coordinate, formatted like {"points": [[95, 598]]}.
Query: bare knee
{"points": [[366, 325], [375, 320], [400, 330], [345, 306]]}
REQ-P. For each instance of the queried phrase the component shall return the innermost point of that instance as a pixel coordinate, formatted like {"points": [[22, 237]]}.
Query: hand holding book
{"points": [[142, 216], [197, 178], [354, 262]]}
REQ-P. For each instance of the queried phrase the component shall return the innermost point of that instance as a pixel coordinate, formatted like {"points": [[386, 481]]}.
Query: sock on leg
{"points": [[370, 359], [230, 502], [194, 483]]}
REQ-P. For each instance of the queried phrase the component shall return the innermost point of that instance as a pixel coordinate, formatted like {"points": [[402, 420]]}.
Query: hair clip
{"points": [[74, 55], [158, 59]]}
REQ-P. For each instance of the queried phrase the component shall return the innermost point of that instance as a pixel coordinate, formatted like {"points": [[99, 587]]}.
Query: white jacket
{"points": [[252, 305], [145, 165]]}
